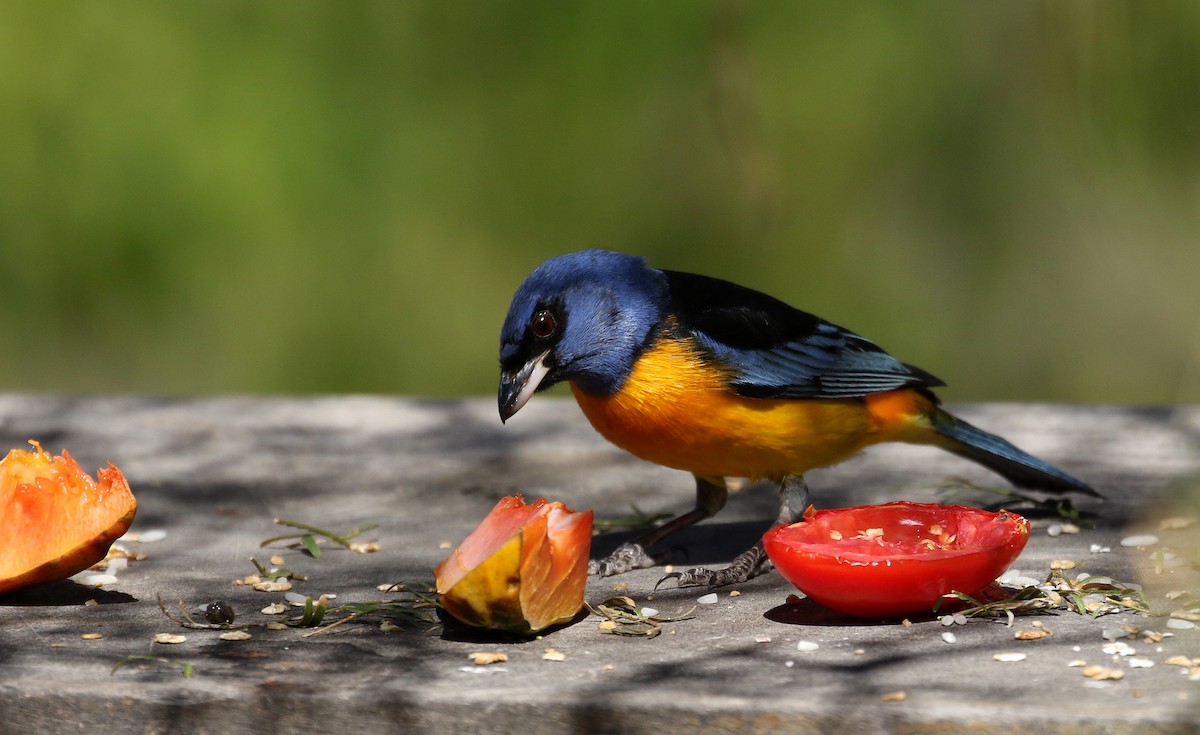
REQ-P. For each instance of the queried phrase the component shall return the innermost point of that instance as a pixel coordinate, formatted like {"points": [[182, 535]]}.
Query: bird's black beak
{"points": [[518, 386]]}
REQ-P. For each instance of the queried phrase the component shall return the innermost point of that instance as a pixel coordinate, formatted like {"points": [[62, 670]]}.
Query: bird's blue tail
{"points": [[1018, 467]]}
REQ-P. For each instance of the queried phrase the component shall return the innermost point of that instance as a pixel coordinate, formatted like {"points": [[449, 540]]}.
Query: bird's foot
{"points": [[626, 557], [746, 565]]}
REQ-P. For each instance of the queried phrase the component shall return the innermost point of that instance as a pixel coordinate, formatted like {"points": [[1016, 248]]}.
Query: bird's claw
{"points": [[626, 557], [747, 565], [701, 577]]}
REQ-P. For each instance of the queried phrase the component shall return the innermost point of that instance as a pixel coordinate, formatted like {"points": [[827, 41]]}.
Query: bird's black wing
{"points": [[776, 351]]}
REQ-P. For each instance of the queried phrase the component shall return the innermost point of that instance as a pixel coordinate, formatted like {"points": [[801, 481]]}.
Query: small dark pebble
{"points": [[219, 612]]}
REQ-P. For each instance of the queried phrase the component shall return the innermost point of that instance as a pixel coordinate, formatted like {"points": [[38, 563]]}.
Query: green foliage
{"points": [[342, 196]]}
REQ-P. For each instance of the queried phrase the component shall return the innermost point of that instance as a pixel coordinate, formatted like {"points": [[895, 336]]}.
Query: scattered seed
{"points": [[277, 626], [807, 646], [1140, 663], [949, 637], [92, 636], [295, 598], [835, 535], [1143, 539], [278, 585], [97, 580], [620, 587], [1070, 528], [1177, 523], [649, 612], [1153, 636], [735, 593], [709, 599], [393, 587], [936, 529], [1192, 615], [1118, 648], [607, 626], [388, 626], [552, 655], [275, 608], [1077, 663], [762, 639], [1032, 634], [91, 603], [1098, 549], [906, 623], [445, 545], [1180, 624], [277, 560], [1184, 661], [1009, 657], [169, 638], [1103, 673], [147, 537], [234, 635], [893, 697], [369, 547], [859, 652], [1054, 529], [483, 658], [1063, 564]]}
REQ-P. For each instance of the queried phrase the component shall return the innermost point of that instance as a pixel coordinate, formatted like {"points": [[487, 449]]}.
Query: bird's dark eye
{"points": [[543, 324]]}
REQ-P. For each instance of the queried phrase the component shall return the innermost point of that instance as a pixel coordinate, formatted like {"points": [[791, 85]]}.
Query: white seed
{"points": [[1118, 648], [295, 598], [1054, 529], [275, 608], [949, 637], [149, 537], [1144, 539], [1180, 624], [1008, 657], [97, 580], [1140, 663], [1098, 549], [649, 612], [807, 646], [234, 635], [709, 599]]}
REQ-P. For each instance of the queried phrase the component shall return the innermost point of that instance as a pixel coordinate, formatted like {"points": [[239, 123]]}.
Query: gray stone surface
{"points": [[214, 473]]}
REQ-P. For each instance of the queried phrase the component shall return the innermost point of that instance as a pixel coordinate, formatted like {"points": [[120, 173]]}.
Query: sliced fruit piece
{"points": [[56, 519], [895, 558]]}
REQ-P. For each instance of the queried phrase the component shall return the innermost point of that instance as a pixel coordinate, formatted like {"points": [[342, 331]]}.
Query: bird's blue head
{"points": [[582, 317]]}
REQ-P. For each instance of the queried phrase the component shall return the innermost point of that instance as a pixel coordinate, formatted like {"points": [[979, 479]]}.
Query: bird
{"points": [[702, 375]]}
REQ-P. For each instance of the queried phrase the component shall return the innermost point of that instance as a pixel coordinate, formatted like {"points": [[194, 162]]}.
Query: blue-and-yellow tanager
{"points": [[719, 380]]}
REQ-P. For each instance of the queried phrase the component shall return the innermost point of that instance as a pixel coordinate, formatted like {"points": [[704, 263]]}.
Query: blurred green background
{"points": [[233, 196]]}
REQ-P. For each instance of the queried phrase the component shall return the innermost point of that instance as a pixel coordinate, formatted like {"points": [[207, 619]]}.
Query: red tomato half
{"points": [[896, 558]]}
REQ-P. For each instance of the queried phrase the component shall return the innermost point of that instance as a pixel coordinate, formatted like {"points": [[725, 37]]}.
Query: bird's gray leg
{"points": [[793, 499], [711, 494]]}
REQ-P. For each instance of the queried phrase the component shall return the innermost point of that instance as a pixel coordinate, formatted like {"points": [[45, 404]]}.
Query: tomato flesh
{"points": [[896, 558]]}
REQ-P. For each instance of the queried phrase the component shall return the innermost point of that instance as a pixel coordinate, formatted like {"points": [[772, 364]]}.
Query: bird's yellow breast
{"points": [[677, 409]]}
